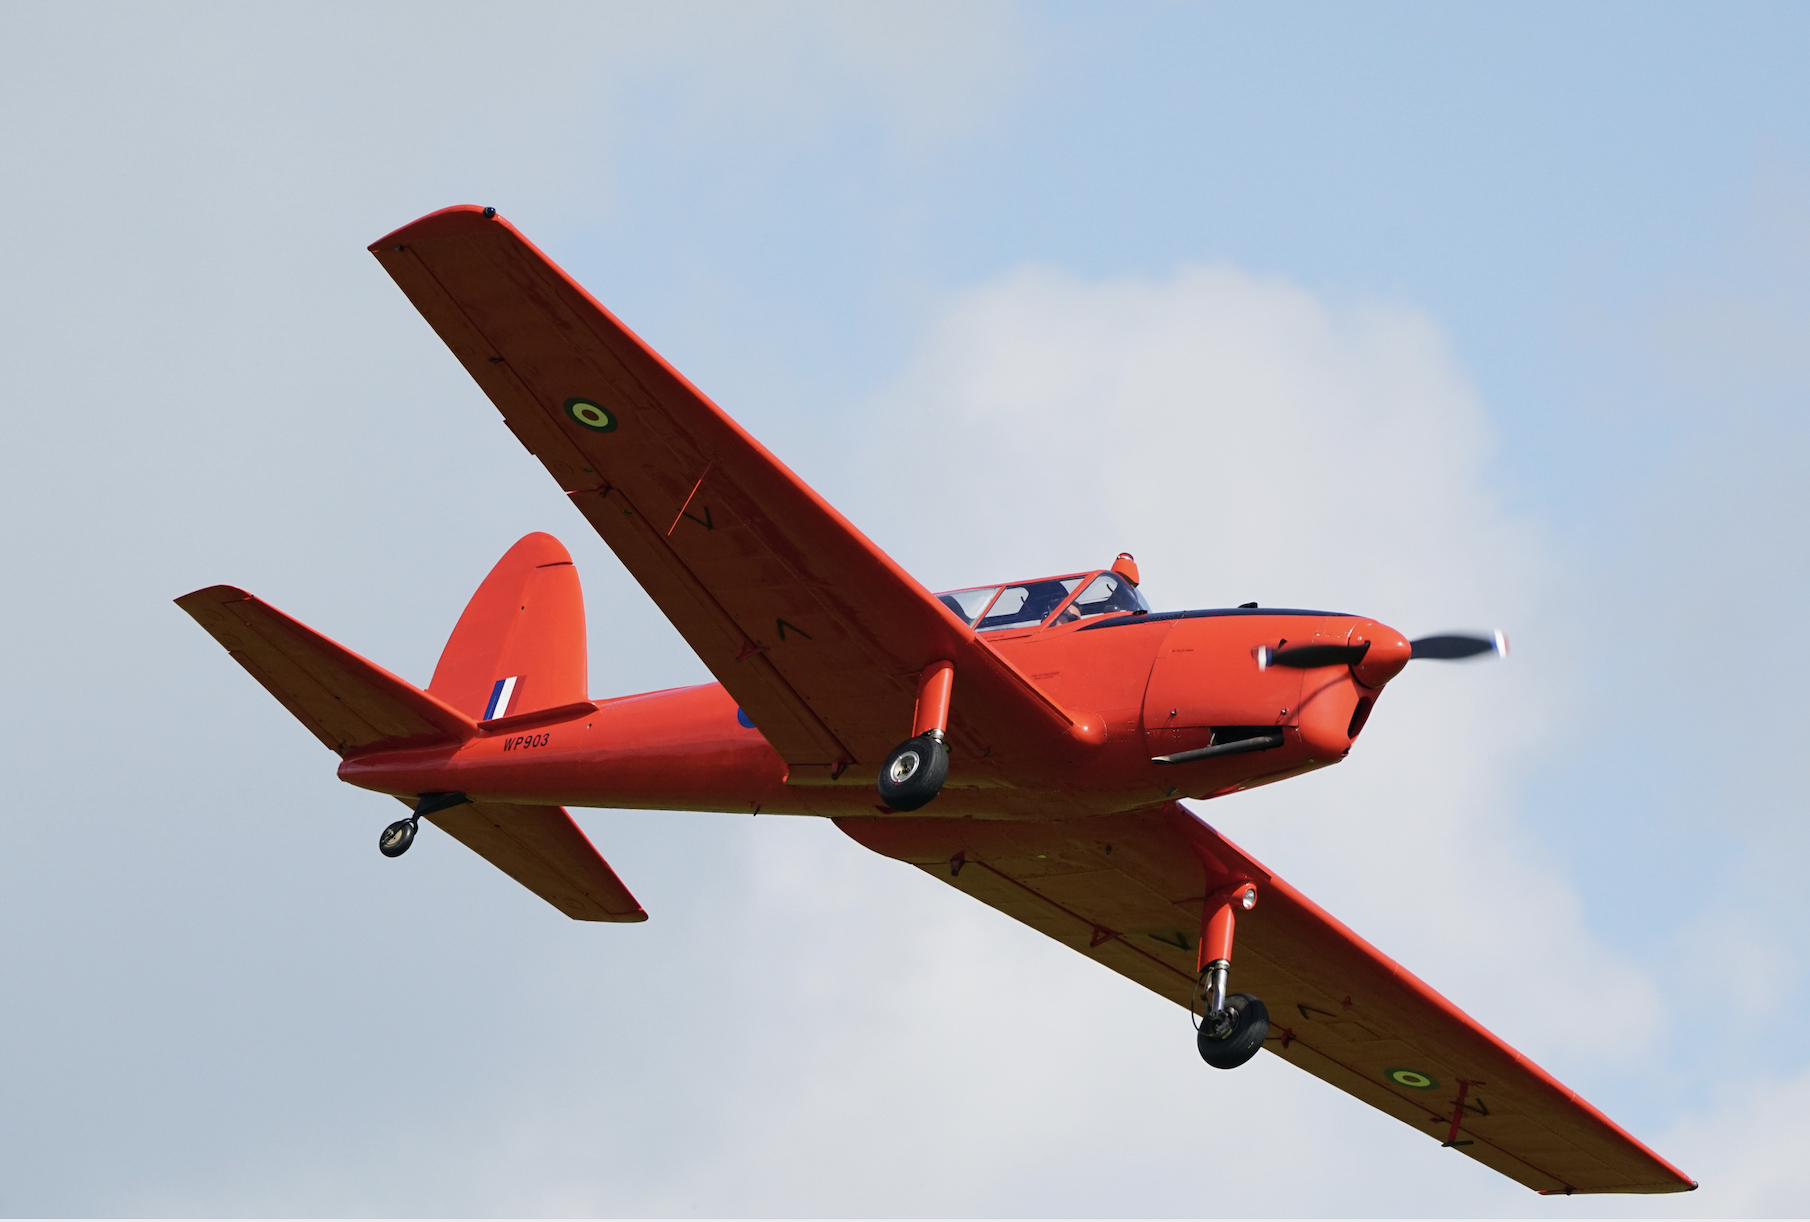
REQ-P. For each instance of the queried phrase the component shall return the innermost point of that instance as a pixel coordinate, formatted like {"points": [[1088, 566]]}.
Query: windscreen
{"points": [[1103, 595], [1028, 604], [968, 604]]}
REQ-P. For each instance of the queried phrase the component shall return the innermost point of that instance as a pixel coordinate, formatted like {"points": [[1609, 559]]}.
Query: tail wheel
{"points": [[396, 838], [1232, 1036]]}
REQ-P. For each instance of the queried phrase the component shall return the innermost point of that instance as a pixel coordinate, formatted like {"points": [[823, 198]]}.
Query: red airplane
{"points": [[1026, 742]]}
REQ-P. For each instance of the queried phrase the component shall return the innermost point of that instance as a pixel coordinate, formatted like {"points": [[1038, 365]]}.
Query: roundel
{"points": [[591, 415], [1413, 1079]]}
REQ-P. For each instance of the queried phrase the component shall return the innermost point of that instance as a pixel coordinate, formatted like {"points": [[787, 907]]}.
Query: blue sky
{"points": [[1529, 279]]}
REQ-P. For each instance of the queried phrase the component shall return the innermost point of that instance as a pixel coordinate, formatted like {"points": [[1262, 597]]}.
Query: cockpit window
{"points": [[968, 604], [1027, 605], [1103, 594]]}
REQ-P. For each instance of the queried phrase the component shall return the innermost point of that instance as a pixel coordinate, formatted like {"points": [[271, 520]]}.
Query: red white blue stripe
{"points": [[500, 697]]}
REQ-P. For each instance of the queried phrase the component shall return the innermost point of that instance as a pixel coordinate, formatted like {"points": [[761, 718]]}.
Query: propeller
{"points": [[1445, 648], [1457, 645], [1306, 657]]}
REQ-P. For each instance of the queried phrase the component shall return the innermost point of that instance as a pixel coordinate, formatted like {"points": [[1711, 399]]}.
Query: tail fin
{"points": [[346, 701], [520, 645]]}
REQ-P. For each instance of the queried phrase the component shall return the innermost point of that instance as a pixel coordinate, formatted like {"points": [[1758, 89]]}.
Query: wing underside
{"points": [[814, 630], [1126, 891]]}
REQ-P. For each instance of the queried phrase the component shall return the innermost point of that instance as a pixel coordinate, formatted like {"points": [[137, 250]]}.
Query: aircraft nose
{"points": [[1389, 651]]}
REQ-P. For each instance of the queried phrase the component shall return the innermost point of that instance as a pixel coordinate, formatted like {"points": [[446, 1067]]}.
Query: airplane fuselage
{"points": [[1143, 687]]}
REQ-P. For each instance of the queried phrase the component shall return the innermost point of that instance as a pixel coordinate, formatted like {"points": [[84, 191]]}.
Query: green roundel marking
{"points": [[597, 419], [1413, 1079]]}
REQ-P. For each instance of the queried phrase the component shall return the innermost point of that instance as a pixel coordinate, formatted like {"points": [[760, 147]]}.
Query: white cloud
{"points": [[1748, 1146]]}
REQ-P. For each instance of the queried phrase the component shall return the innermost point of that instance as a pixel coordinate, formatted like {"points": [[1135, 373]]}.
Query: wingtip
{"points": [[211, 594], [615, 918], [447, 222]]}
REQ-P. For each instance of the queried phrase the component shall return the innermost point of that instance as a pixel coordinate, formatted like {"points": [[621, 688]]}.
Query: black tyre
{"points": [[396, 838], [914, 773], [1240, 1042]]}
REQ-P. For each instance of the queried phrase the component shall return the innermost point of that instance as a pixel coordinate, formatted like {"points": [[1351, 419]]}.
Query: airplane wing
{"points": [[541, 848], [814, 630], [1126, 891]]}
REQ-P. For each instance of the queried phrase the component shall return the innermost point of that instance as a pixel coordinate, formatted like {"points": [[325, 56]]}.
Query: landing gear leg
{"points": [[1232, 1026], [915, 771], [397, 837]]}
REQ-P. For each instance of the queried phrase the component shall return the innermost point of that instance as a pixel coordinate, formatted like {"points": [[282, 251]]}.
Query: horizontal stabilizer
{"points": [[541, 848], [345, 700]]}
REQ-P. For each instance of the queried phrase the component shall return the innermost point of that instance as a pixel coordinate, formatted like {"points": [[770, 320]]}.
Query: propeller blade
{"points": [[1455, 646], [1306, 657]]}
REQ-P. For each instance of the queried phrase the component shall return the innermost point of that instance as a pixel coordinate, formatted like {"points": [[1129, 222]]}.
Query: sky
{"points": [[1456, 316]]}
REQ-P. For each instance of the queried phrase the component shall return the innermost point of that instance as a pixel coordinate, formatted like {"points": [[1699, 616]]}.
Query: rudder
{"points": [[519, 646]]}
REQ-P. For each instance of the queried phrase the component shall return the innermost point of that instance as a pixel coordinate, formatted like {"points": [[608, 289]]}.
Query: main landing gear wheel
{"points": [[914, 773], [1233, 1035], [396, 838]]}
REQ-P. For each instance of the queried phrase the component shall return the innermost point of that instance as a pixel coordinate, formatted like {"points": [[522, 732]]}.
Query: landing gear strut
{"points": [[915, 771], [1232, 1027], [397, 837]]}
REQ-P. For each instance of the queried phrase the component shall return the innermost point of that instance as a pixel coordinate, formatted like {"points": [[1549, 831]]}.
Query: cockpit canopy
{"points": [[1051, 600]]}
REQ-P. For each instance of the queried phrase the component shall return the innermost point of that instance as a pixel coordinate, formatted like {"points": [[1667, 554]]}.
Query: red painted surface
{"points": [[1216, 934], [525, 621], [935, 687], [1054, 811]]}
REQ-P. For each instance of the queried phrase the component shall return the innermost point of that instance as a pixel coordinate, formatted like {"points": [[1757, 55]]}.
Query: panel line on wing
{"points": [[1091, 925], [736, 639], [494, 373], [1418, 1106]]}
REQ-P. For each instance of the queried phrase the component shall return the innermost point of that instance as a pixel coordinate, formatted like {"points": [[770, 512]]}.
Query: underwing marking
{"points": [[794, 627]]}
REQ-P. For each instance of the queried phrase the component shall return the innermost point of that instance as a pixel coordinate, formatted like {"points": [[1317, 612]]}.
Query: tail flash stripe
{"points": [[500, 697]]}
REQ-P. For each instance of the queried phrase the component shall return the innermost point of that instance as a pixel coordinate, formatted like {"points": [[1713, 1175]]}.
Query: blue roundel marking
{"points": [[744, 718]]}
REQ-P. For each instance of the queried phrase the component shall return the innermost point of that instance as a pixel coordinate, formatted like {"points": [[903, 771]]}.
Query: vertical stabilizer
{"points": [[520, 645]]}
